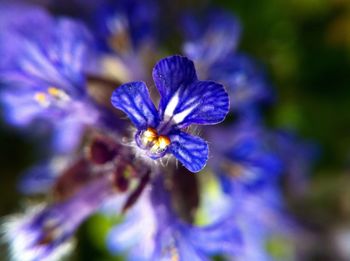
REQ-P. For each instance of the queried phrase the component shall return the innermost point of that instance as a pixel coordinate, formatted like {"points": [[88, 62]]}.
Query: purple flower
{"points": [[261, 217], [245, 80], [299, 167], [212, 39], [184, 100], [126, 24], [163, 236], [40, 179], [43, 76], [212, 46], [244, 156], [44, 233]]}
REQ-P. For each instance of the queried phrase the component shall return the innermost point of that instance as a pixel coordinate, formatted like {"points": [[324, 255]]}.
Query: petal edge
{"points": [[190, 150], [134, 99]]}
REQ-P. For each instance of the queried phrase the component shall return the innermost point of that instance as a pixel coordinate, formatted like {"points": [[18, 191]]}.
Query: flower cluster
{"points": [[74, 79]]}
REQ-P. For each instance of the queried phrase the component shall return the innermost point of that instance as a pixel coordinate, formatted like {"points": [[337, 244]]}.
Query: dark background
{"points": [[305, 46]]}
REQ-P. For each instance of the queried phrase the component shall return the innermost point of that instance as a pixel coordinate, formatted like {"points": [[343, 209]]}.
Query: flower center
{"points": [[154, 143], [53, 95]]}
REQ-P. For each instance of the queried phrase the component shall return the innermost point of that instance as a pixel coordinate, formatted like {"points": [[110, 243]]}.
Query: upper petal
{"points": [[134, 99], [130, 21], [191, 151], [210, 37], [59, 54], [202, 102], [222, 236], [170, 74], [244, 79]]}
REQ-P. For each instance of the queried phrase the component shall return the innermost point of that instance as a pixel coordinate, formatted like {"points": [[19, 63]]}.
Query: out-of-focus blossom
{"points": [[184, 101], [163, 236], [126, 25], [246, 157], [248, 169], [212, 46], [246, 80], [299, 167], [259, 215], [126, 33], [41, 178], [45, 232], [43, 76], [212, 39]]}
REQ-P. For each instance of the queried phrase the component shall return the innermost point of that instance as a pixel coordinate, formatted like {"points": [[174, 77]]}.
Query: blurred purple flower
{"points": [[246, 81], [43, 75], [212, 46], [298, 168], [244, 155], [45, 232], [126, 24], [212, 39], [163, 236]]}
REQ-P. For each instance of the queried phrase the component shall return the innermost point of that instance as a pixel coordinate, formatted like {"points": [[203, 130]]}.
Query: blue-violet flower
{"points": [[184, 100]]}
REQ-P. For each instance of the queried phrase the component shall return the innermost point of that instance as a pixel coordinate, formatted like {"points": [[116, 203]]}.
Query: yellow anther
{"points": [[52, 95], [150, 135], [154, 142], [163, 142], [160, 143], [41, 98], [58, 93], [54, 91]]}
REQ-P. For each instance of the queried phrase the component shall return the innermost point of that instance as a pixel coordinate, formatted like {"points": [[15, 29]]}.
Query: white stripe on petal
{"points": [[171, 106]]}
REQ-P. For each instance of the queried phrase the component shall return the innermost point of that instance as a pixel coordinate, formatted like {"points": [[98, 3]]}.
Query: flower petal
{"points": [[170, 74], [222, 236], [213, 38], [191, 151], [67, 135], [38, 180], [134, 99], [59, 55], [203, 102], [244, 79], [134, 19]]}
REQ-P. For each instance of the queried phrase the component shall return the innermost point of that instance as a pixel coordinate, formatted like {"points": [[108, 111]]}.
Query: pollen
{"points": [[57, 93], [160, 143], [163, 142], [155, 143], [54, 91], [41, 98], [150, 135], [51, 96]]}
